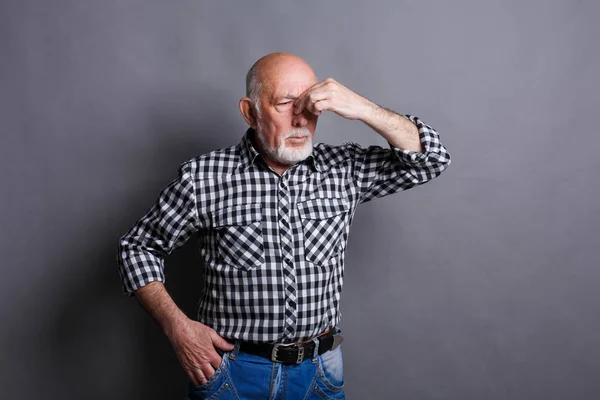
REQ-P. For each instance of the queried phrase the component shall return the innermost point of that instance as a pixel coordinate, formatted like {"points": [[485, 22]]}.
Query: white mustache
{"points": [[304, 132]]}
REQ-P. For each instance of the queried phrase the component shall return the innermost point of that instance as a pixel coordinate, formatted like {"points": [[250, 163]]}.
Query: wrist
{"points": [[174, 323], [369, 112]]}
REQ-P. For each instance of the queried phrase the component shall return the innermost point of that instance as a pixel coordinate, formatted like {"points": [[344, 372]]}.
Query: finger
{"points": [[314, 97], [221, 343], [300, 102], [311, 95], [215, 360], [197, 377], [321, 106], [311, 107], [207, 371]]}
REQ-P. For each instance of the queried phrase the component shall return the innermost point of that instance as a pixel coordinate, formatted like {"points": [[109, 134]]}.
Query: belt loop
{"points": [[235, 350], [316, 351]]}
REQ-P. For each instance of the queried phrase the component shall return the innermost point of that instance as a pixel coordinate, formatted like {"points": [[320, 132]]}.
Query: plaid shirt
{"points": [[273, 246]]}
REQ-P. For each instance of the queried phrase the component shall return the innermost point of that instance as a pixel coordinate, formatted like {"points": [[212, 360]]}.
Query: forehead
{"points": [[289, 89], [288, 82]]}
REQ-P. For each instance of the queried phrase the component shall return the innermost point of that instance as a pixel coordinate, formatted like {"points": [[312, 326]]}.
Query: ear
{"points": [[248, 112]]}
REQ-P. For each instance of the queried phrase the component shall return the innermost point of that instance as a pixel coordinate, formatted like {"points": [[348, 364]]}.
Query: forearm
{"points": [[155, 299], [398, 130]]}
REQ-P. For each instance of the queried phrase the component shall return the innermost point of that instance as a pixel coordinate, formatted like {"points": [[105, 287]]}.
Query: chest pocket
{"points": [[323, 224], [239, 236]]}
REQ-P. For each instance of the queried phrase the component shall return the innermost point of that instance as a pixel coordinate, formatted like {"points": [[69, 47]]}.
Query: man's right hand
{"points": [[196, 345]]}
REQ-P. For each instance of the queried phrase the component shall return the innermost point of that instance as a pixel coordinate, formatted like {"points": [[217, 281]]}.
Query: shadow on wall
{"points": [[96, 325]]}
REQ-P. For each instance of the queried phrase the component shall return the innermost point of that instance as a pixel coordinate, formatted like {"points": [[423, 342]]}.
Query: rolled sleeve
{"points": [[433, 150], [380, 172], [166, 226]]}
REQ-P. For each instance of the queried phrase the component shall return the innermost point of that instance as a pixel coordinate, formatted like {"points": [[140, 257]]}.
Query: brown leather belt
{"points": [[293, 353]]}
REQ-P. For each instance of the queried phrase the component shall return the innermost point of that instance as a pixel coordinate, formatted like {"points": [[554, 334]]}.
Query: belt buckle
{"points": [[276, 347]]}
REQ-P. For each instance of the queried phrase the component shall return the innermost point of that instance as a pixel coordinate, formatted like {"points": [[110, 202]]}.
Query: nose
{"points": [[299, 120]]}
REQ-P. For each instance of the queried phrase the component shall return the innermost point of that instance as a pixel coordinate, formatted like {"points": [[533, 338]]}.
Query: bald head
{"points": [[270, 69]]}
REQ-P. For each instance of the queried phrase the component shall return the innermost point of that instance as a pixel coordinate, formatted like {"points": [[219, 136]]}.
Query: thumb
{"points": [[220, 343]]}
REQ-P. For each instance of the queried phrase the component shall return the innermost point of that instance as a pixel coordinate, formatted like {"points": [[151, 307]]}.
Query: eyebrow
{"points": [[287, 96]]}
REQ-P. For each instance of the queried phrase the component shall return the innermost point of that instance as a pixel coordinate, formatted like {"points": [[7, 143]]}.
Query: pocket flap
{"points": [[238, 215], [323, 208]]}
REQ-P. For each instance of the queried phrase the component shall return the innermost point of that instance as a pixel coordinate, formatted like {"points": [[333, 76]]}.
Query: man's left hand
{"points": [[333, 96]]}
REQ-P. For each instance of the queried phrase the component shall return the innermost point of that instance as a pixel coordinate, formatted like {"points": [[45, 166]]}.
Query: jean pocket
{"points": [[216, 387], [330, 382]]}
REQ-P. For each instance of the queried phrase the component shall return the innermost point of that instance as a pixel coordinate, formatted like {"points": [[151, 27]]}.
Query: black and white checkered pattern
{"points": [[273, 246]]}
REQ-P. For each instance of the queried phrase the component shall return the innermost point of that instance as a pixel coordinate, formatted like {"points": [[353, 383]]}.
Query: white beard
{"points": [[283, 154]]}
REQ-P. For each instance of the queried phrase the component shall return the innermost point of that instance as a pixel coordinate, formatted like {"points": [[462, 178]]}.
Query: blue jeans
{"points": [[246, 376]]}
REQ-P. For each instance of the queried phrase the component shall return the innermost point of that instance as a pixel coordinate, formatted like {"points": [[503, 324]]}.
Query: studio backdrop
{"points": [[482, 284]]}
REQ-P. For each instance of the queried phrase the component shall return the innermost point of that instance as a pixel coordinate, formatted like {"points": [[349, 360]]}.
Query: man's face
{"points": [[285, 137]]}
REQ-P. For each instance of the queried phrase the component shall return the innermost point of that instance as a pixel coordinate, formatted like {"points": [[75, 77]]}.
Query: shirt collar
{"points": [[249, 153]]}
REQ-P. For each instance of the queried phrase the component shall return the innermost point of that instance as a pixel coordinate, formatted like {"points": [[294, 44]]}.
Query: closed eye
{"points": [[284, 103]]}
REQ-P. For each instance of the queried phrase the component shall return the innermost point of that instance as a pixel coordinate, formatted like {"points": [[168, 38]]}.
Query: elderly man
{"points": [[273, 215]]}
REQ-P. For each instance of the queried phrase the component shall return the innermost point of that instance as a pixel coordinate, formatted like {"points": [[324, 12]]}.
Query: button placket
{"points": [[289, 273]]}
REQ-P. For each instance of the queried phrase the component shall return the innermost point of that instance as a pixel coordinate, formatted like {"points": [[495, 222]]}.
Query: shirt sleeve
{"points": [[166, 226], [380, 171]]}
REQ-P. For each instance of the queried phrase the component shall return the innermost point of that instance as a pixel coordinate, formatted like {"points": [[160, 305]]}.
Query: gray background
{"points": [[482, 284]]}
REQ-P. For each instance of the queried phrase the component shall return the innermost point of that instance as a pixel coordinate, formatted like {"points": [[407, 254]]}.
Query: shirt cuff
{"points": [[427, 135]]}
